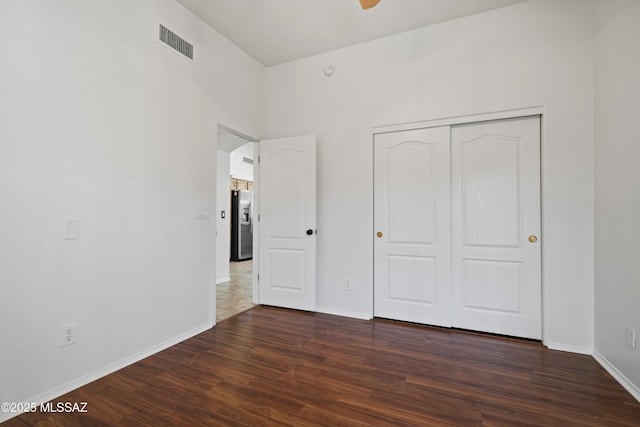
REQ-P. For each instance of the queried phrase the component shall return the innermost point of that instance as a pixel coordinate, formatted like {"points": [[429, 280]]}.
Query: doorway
{"points": [[234, 274]]}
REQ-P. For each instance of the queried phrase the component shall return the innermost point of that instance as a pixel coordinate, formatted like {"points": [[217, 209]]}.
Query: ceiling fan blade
{"points": [[367, 4]]}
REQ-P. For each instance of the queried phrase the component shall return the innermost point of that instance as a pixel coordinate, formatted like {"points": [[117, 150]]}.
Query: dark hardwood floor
{"points": [[270, 366]]}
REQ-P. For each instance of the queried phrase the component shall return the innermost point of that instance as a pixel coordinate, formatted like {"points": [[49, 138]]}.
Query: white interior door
{"points": [[287, 255], [496, 273], [412, 220]]}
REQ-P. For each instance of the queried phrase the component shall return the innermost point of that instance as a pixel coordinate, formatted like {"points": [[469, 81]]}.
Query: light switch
{"points": [[222, 214], [71, 229]]}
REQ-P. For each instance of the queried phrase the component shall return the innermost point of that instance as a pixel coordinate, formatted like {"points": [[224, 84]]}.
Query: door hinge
{"points": [[258, 277], [258, 217], [258, 159]]}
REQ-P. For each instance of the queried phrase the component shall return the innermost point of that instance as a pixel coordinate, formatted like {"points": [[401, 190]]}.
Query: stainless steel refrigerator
{"points": [[241, 225]]}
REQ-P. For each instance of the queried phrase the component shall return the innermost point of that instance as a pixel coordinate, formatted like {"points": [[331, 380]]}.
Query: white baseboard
{"points": [[222, 280], [111, 368], [568, 348], [344, 313], [615, 373]]}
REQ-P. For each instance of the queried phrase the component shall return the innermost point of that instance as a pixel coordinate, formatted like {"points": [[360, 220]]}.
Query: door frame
{"points": [[467, 119]]}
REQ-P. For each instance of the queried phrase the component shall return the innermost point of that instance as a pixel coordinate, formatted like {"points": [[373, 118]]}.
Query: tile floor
{"points": [[235, 296]]}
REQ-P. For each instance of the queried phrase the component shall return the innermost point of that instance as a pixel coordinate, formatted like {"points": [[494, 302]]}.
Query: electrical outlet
{"points": [[71, 229], [202, 213], [631, 337], [68, 334], [347, 285]]}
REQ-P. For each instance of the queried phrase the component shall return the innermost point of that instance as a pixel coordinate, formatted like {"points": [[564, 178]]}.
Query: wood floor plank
{"points": [[270, 366]]}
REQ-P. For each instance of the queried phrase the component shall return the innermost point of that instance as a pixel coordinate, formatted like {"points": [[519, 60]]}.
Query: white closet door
{"points": [[496, 274], [412, 224]]}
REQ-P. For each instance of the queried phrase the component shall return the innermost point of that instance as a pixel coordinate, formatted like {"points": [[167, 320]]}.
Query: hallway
{"points": [[235, 296]]}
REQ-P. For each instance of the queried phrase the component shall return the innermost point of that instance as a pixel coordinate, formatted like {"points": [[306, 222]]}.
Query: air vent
{"points": [[176, 42], [247, 160]]}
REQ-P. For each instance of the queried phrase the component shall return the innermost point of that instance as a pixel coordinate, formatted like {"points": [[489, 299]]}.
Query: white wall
{"points": [[223, 236], [536, 53], [99, 122], [617, 184], [239, 169]]}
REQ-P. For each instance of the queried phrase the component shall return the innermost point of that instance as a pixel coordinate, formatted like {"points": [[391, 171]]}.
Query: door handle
{"points": [[379, 234], [309, 232], [533, 238]]}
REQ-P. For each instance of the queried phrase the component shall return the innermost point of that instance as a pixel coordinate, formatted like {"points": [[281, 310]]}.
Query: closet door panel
{"points": [[412, 226], [496, 264]]}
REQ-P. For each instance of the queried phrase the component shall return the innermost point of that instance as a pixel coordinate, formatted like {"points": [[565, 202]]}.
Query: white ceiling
{"points": [[278, 31]]}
